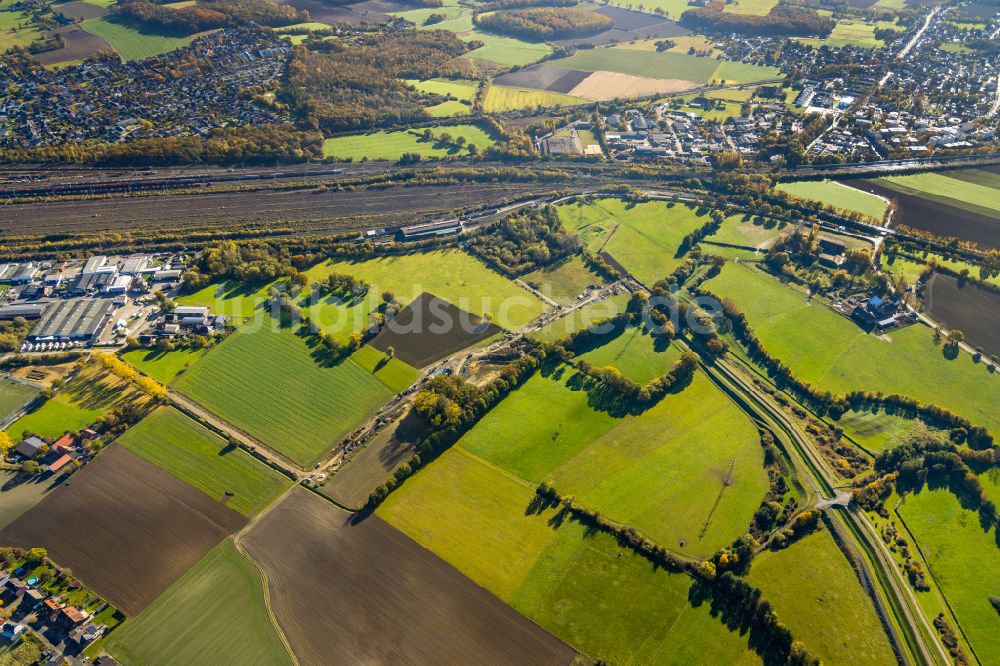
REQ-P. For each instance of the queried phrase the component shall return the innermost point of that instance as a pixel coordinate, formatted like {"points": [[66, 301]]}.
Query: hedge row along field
{"points": [[833, 353], [266, 380], [837, 194], [175, 443]]}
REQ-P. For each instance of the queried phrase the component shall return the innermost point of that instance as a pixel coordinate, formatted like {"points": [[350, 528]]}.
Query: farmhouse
{"points": [[29, 447], [76, 320], [876, 313]]}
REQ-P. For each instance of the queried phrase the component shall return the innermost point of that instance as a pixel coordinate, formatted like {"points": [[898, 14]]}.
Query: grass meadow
{"points": [[460, 89], [911, 270], [131, 42], [833, 353], [564, 281], [964, 561], [508, 98], [635, 353], [582, 318], [265, 380], [663, 471], [452, 275], [84, 399], [232, 299], [877, 431], [199, 457], [813, 588], [584, 588], [392, 145], [216, 613], [393, 373], [643, 237], [960, 192], [746, 231], [164, 367], [835, 194]]}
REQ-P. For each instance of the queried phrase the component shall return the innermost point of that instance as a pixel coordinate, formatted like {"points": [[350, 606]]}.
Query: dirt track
{"points": [[368, 594], [125, 527]]}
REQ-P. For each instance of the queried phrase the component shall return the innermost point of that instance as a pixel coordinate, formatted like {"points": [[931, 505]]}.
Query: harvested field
{"points": [[125, 527], [429, 329], [609, 85], [79, 10], [79, 44], [371, 466], [973, 310], [19, 492], [543, 77], [366, 593], [941, 216]]}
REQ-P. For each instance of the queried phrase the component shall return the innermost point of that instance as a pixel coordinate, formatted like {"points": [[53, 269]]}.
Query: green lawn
{"points": [[392, 145], [199, 457], [739, 72], [582, 318], [508, 98], [661, 471], [965, 563], [643, 237], [959, 191], [393, 373], [585, 589], [12, 395], [265, 380], [831, 352], [755, 232], [816, 593], [564, 281], [83, 400], [635, 353], [449, 109], [164, 367], [460, 89], [838, 195], [233, 299], [215, 614], [877, 431], [506, 51], [452, 275], [131, 41]]}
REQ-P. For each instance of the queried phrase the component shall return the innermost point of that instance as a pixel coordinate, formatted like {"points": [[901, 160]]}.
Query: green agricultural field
{"points": [[12, 395], [394, 374], [852, 32], [840, 196], [392, 145], [582, 318], [635, 353], [911, 269], [738, 72], [452, 275], [16, 28], [233, 299], [662, 471], [216, 613], [308, 25], [672, 8], [564, 281], [83, 400], [964, 561], [877, 431], [746, 231], [960, 192], [813, 588], [449, 109], [831, 352], [649, 64], [164, 367], [507, 98], [199, 457], [132, 42], [587, 590], [265, 380], [757, 7], [460, 89], [505, 51], [644, 237]]}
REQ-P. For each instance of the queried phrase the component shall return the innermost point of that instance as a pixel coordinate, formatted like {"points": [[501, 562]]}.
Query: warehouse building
{"points": [[77, 320], [28, 311]]}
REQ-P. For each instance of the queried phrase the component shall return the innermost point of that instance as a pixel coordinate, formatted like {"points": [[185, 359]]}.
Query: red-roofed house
{"points": [[65, 443], [59, 463]]}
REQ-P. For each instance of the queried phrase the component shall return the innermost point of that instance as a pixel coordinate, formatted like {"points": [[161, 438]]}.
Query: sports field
{"points": [[199, 457], [644, 237], [13, 395], [838, 195], [91, 394], [586, 589], [964, 560], [832, 352], [690, 469], [392, 145], [216, 613], [164, 367], [507, 98], [564, 281], [799, 583], [131, 42], [265, 380], [451, 275]]}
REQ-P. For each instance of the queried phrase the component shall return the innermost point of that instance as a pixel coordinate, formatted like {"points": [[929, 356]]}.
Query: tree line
{"points": [[545, 23], [209, 14], [524, 241], [781, 21]]}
